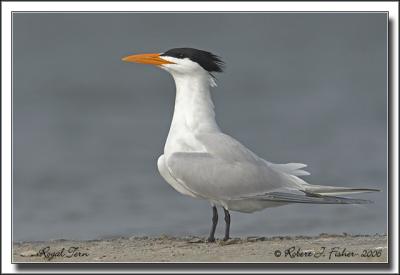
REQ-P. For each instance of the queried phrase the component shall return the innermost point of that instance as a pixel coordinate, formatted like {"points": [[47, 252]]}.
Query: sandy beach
{"points": [[322, 248]]}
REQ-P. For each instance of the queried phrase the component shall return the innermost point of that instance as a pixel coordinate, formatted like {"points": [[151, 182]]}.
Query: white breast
{"points": [[193, 114]]}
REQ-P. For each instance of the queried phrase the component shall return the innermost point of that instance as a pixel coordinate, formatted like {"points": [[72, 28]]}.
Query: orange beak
{"points": [[147, 58]]}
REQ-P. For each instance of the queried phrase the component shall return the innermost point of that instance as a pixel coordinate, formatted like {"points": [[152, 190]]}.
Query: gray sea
{"points": [[88, 128]]}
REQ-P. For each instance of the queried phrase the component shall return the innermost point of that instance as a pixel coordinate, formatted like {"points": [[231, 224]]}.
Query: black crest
{"points": [[210, 62]]}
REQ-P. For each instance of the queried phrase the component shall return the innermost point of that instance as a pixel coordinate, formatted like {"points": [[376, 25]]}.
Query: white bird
{"points": [[201, 161]]}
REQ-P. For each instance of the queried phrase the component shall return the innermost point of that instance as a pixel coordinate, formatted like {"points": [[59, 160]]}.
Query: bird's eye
{"points": [[181, 55]]}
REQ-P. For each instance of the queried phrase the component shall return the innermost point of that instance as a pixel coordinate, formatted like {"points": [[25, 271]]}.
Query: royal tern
{"points": [[202, 162]]}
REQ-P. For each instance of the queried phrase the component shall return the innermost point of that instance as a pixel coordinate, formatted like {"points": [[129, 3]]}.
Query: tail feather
{"points": [[294, 169], [306, 198], [335, 190]]}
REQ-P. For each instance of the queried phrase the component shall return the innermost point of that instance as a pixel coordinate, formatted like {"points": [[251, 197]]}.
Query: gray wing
{"points": [[226, 147], [214, 178], [210, 176], [230, 171]]}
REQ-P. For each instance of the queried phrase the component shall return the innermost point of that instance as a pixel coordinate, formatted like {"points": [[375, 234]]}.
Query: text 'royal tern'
{"points": [[202, 162]]}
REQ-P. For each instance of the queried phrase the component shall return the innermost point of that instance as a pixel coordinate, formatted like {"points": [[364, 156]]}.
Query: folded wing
{"points": [[216, 178]]}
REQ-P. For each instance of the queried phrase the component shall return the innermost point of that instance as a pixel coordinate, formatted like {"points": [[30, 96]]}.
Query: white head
{"points": [[182, 62]]}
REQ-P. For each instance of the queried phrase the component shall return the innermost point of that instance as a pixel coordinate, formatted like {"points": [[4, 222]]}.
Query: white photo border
{"points": [[324, 6]]}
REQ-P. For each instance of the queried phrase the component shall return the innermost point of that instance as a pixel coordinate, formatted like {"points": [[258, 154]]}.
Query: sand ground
{"points": [[322, 248]]}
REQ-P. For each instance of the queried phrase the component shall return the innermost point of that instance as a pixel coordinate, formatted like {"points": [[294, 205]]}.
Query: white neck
{"points": [[193, 113]]}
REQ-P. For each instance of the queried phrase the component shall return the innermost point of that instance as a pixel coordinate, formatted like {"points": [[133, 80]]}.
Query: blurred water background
{"points": [[88, 128]]}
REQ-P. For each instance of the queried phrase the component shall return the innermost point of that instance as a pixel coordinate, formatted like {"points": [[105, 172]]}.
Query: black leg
{"points": [[214, 224], [228, 224]]}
